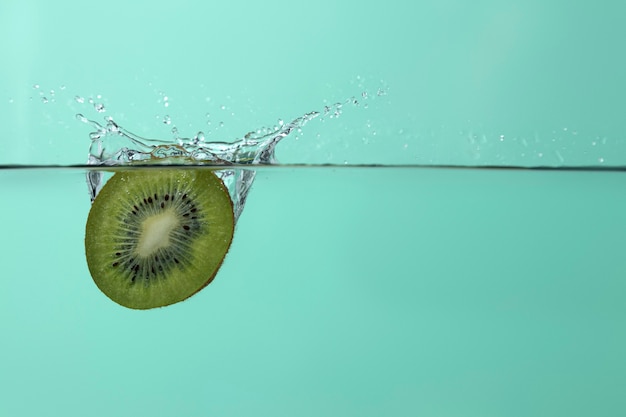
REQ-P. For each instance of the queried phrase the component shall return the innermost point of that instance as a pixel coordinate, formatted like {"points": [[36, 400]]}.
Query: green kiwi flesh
{"points": [[155, 237]]}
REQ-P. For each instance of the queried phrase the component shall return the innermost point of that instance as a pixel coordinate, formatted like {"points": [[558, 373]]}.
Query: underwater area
{"points": [[427, 202]]}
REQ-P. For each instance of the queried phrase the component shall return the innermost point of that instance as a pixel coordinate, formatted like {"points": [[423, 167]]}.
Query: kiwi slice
{"points": [[155, 237]]}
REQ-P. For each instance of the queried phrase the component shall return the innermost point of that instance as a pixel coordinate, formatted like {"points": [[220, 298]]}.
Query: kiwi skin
{"points": [[112, 213]]}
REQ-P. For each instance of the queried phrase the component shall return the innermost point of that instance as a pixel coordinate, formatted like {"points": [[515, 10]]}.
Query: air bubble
{"points": [[79, 99], [44, 100], [601, 160], [167, 120], [35, 86], [99, 107]]}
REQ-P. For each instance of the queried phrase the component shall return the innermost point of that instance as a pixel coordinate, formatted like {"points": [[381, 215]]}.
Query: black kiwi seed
{"points": [[144, 255]]}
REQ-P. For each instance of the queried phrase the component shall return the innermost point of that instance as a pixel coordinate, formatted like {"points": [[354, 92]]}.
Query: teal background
{"points": [[353, 292], [546, 76]]}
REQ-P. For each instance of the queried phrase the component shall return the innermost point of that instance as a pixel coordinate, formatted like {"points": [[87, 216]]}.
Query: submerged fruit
{"points": [[155, 237]]}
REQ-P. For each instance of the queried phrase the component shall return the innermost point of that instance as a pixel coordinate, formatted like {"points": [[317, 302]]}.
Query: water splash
{"points": [[113, 145]]}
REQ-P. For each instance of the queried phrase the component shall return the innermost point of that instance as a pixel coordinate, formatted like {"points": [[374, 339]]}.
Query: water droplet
{"points": [[52, 92], [364, 95], [559, 157], [44, 100], [601, 160], [281, 122], [99, 107], [36, 86], [501, 138], [167, 120], [221, 124], [62, 87], [223, 107], [79, 99], [10, 100]]}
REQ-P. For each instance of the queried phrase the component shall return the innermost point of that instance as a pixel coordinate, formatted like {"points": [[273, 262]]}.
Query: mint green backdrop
{"points": [[348, 292]]}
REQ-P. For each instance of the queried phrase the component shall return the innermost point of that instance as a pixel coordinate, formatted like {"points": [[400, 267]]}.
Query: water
{"points": [[348, 290], [382, 291]]}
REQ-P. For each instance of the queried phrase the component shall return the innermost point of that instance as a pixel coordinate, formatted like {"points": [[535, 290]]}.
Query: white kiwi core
{"points": [[155, 232]]}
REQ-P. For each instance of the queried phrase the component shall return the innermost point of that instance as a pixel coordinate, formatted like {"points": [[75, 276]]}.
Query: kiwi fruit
{"points": [[155, 237]]}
